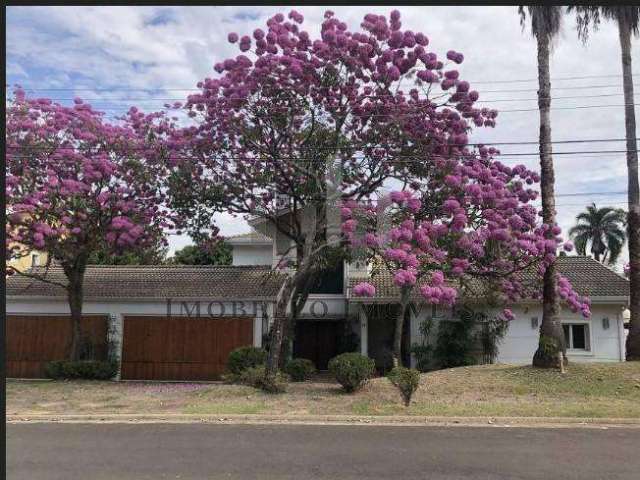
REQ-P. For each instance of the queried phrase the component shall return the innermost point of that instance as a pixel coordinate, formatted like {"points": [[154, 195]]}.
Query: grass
{"points": [[586, 390]]}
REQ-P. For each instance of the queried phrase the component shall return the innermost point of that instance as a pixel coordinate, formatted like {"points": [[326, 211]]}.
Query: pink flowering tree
{"points": [[468, 229], [294, 125], [77, 186]]}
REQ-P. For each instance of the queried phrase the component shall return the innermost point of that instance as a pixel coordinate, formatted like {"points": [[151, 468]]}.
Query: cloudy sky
{"points": [[145, 56]]}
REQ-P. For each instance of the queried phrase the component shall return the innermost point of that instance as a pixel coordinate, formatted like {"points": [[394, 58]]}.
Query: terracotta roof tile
{"points": [[589, 278], [250, 237], [159, 282]]}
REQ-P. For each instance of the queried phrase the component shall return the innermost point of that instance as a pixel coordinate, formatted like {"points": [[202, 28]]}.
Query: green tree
{"points": [[154, 255], [545, 25], [203, 254], [603, 229], [627, 17]]}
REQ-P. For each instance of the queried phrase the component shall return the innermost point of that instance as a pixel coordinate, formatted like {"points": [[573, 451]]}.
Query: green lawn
{"points": [[596, 390]]}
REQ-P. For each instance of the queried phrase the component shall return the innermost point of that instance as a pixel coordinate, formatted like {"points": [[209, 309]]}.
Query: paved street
{"points": [[200, 451]]}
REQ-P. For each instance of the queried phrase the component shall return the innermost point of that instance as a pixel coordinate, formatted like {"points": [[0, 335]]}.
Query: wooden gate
{"points": [[181, 348], [34, 340]]}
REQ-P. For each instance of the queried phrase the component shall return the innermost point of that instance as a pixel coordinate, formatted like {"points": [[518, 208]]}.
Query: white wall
{"points": [[521, 340], [252, 254]]}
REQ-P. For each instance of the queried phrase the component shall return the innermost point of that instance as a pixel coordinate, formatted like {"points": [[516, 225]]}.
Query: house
{"points": [[334, 318], [172, 322], [28, 259]]}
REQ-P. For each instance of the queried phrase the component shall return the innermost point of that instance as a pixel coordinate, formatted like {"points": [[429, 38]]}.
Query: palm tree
{"points": [[628, 19], [603, 228], [545, 25]]}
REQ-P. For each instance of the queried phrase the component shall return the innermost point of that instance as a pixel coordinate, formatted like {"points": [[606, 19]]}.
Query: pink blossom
{"points": [[364, 289]]}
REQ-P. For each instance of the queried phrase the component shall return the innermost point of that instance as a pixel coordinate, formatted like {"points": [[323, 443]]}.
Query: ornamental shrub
{"points": [[243, 358], [406, 380], [300, 369], [255, 377], [81, 369], [351, 370]]}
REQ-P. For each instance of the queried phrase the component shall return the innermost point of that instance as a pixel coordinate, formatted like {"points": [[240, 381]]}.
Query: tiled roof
{"points": [[588, 277], [158, 282], [249, 238]]}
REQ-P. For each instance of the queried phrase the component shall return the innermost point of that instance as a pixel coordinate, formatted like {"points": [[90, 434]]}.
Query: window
{"points": [[35, 260], [330, 281], [576, 336]]}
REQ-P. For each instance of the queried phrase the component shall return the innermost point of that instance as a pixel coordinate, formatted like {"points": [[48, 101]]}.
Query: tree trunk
{"points": [[304, 277], [397, 334], [280, 317], [551, 341], [633, 193], [75, 295], [299, 296]]}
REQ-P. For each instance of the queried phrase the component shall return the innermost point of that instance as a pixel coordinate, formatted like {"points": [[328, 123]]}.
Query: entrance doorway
{"points": [[318, 340]]}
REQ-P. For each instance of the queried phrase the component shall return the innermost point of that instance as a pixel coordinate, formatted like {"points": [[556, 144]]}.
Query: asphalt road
{"points": [[206, 451]]}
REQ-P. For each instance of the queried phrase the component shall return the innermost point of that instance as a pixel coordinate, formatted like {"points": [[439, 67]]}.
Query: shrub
{"points": [[255, 377], [82, 369], [406, 380], [423, 355], [300, 369], [245, 357], [455, 341], [352, 370]]}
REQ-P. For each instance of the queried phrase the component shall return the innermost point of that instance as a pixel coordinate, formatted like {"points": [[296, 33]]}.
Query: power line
{"points": [[585, 194], [162, 89], [394, 159], [479, 82], [417, 115], [583, 77], [93, 101]]}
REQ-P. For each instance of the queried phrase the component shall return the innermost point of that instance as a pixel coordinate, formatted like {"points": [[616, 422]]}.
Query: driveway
{"points": [[203, 451]]}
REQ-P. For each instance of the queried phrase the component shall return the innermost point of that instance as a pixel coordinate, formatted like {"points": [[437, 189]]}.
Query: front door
{"points": [[318, 341]]}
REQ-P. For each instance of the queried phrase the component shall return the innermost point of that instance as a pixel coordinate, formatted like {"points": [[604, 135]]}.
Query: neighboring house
{"points": [[28, 259], [181, 322]]}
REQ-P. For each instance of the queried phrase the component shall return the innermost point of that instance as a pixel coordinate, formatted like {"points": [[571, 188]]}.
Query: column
{"points": [[114, 341], [364, 331]]}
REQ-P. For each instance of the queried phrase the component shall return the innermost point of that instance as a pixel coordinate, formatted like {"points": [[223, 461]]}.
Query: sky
{"points": [[115, 57]]}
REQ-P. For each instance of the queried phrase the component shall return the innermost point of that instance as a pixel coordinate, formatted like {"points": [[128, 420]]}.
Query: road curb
{"points": [[398, 420]]}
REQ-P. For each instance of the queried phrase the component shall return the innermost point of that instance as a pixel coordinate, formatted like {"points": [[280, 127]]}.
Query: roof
{"points": [[104, 282], [588, 277], [250, 238]]}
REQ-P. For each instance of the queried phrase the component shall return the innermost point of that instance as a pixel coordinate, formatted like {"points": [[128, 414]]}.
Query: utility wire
{"points": [[93, 101], [481, 82], [417, 115], [393, 159], [474, 144]]}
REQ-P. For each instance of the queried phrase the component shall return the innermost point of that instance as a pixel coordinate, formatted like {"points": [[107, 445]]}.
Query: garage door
{"points": [[181, 348], [34, 340]]}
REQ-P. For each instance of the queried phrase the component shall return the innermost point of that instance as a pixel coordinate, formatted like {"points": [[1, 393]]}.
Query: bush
{"points": [[255, 377], [82, 369], [300, 369], [423, 355], [406, 380], [456, 340], [352, 370], [245, 357]]}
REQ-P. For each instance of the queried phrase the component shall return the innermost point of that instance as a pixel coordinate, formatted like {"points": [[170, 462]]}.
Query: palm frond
{"points": [[545, 20]]}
